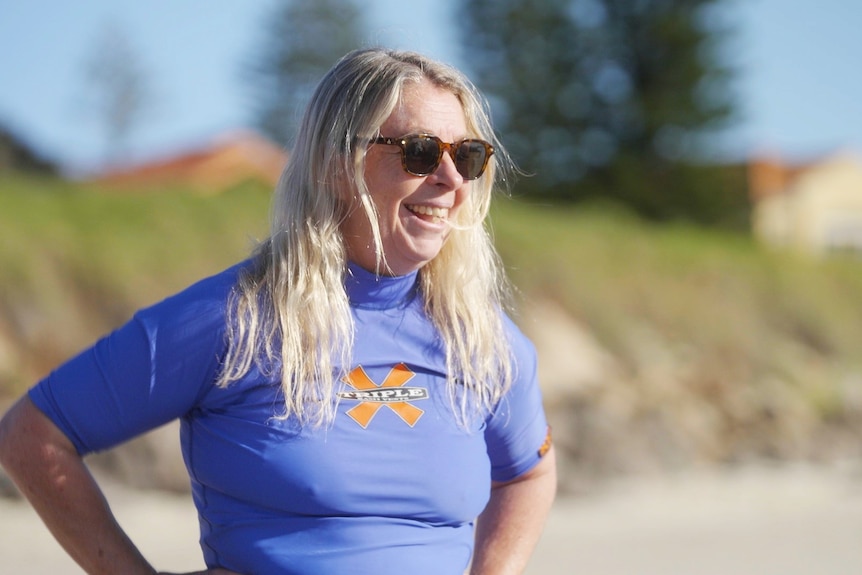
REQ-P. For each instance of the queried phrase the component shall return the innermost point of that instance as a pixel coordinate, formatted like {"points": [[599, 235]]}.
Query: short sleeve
{"points": [[150, 371], [517, 430]]}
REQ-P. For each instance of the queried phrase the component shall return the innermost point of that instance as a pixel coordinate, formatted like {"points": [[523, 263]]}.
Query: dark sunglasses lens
{"points": [[470, 159], [421, 155]]}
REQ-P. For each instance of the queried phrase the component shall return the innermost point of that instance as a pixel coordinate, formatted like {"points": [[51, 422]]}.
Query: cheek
{"points": [[464, 205], [389, 199]]}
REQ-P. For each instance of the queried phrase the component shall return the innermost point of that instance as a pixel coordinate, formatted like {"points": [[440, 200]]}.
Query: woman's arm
{"points": [[53, 477], [509, 528]]}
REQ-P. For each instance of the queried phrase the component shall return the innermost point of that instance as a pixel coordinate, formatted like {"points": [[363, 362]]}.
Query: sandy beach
{"points": [[796, 521], [754, 521]]}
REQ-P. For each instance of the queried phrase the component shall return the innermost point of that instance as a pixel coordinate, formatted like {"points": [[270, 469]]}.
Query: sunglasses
{"points": [[421, 154]]}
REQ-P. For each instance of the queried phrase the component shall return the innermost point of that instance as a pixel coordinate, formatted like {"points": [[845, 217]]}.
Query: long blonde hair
{"points": [[289, 314]]}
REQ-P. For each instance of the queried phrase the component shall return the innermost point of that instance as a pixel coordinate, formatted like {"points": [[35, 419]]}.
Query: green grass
{"points": [[739, 320], [76, 262], [137, 246]]}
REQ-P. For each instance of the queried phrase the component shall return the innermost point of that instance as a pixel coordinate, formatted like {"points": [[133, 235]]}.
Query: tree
{"points": [[18, 155], [117, 86], [301, 41], [606, 98]]}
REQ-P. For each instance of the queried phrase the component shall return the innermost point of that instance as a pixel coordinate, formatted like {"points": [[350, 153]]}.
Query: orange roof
{"points": [[229, 161], [768, 175]]}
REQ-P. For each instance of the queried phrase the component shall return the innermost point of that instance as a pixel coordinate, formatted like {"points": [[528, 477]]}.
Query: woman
{"points": [[352, 397]]}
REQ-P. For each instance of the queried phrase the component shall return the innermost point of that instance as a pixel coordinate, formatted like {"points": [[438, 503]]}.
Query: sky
{"points": [[799, 78]]}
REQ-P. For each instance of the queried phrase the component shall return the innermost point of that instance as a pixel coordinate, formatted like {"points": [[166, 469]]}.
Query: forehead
{"points": [[425, 107]]}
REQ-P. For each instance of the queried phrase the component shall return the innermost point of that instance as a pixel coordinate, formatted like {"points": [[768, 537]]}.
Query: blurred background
{"points": [[686, 237]]}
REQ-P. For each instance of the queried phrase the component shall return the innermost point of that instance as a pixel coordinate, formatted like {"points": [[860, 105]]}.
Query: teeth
{"points": [[438, 213]]}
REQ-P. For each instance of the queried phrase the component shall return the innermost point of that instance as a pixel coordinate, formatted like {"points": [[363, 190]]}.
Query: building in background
{"points": [[815, 207], [229, 161]]}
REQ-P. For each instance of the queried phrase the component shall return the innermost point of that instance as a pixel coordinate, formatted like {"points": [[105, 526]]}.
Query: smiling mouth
{"points": [[436, 215]]}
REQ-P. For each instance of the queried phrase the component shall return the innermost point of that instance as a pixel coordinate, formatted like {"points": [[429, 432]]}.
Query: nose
{"points": [[446, 173]]}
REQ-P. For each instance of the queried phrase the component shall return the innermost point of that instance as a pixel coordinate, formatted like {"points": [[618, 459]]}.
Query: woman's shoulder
{"points": [[522, 345], [203, 302]]}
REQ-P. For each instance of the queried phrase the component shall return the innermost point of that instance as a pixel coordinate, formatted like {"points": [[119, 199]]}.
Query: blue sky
{"points": [[799, 86]]}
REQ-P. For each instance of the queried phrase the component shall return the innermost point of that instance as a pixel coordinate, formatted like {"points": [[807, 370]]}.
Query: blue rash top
{"points": [[391, 487]]}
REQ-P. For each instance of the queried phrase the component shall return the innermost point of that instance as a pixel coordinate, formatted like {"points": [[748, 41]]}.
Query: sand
{"points": [[798, 521], [757, 521]]}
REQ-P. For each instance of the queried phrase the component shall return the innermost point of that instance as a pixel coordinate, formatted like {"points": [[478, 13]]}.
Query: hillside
{"points": [[662, 347], [686, 347]]}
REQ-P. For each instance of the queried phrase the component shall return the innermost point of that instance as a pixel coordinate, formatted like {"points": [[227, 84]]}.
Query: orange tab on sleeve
{"points": [[546, 446]]}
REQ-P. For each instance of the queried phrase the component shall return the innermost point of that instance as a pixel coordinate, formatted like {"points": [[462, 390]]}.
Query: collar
{"points": [[366, 289]]}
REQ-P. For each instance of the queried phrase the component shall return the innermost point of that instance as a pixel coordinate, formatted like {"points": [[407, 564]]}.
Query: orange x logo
{"points": [[390, 393]]}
